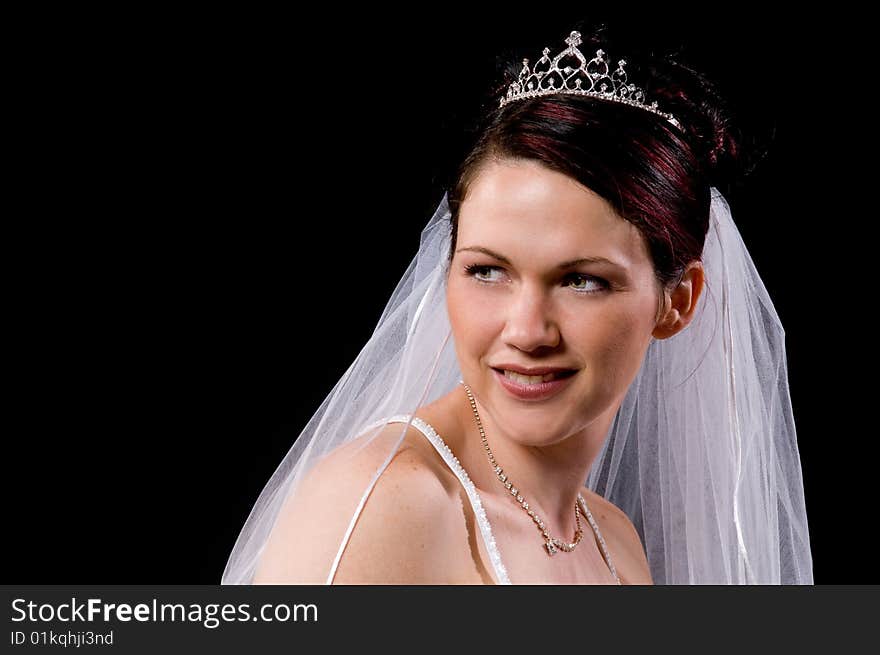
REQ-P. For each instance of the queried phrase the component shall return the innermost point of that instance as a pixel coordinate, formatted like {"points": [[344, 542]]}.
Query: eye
{"points": [[592, 284], [590, 279], [475, 271]]}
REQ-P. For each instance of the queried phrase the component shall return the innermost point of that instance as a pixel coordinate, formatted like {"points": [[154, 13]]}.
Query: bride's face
{"points": [[595, 317]]}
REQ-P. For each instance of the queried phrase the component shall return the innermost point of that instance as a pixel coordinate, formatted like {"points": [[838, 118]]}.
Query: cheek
{"points": [[472, 329], [614, 346]]}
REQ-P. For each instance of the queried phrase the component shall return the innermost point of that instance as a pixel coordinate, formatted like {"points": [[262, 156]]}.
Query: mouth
{"points": [[533, 387]]}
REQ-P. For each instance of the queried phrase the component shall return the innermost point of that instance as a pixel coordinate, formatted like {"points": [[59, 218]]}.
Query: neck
{"points": [[549, 475]]}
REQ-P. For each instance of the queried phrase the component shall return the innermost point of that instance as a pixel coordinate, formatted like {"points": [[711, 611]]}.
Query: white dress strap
{"points": [[453, 463]]}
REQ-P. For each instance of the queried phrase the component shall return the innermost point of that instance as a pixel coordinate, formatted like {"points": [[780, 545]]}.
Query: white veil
{"points": [[702, 454]]}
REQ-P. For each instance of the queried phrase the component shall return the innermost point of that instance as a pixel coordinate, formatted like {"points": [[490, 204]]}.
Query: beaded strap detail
{"points": [[601, 540]]}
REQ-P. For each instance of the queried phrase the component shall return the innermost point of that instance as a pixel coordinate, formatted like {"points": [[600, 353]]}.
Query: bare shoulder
{"points": [[399, 535], [621, 538]]}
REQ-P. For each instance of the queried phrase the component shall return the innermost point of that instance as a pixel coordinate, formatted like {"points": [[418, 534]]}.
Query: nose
{"points": [[529, 323]]}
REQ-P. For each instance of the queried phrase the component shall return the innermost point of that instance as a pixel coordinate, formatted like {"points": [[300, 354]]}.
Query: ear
{"points": [[680, 303]]}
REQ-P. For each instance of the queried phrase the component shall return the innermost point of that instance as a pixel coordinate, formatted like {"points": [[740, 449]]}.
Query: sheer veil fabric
{"points": [[702, 454]]}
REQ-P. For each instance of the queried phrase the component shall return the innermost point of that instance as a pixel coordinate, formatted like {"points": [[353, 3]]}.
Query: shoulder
{"points": [[621, 538], [399, 533]]}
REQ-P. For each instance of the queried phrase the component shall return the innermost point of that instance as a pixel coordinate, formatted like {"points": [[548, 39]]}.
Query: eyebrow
{"points": [[563, 265]]}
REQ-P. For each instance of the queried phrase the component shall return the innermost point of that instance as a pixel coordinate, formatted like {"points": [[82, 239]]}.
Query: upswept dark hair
{"points": [[653, 174]]}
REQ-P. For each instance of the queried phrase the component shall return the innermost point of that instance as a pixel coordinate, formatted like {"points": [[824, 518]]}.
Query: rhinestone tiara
{"points": [[588, 79]]}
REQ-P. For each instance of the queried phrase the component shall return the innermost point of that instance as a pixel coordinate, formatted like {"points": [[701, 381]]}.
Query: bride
{"points": [[580, 379]]}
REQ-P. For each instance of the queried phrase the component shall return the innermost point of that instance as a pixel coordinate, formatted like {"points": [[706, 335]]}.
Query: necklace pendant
{"points": [[551, 548]]}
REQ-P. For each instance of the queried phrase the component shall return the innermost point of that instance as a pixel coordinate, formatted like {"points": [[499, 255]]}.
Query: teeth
{"points": [[529, 379]]}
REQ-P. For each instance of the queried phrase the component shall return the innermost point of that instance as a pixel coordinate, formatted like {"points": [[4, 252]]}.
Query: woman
{"points": [[584, 241]]}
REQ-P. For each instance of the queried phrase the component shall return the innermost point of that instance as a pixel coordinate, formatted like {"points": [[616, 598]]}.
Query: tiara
{"points": [[588, 79]]}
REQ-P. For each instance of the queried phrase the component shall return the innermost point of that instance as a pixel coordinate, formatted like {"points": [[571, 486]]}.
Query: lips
{"points": [[534, 392], [533, 370], [547, 376]]}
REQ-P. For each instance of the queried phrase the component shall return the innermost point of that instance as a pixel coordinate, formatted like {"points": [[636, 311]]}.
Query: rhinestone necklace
{"points": [[552, 544]]}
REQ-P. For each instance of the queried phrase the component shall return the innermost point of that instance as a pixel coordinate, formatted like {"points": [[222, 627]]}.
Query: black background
{"points": [[211, 210]]}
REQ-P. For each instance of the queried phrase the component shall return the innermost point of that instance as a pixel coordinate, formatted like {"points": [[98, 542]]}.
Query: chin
{"points": [[535, 424], [553, 420]]}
